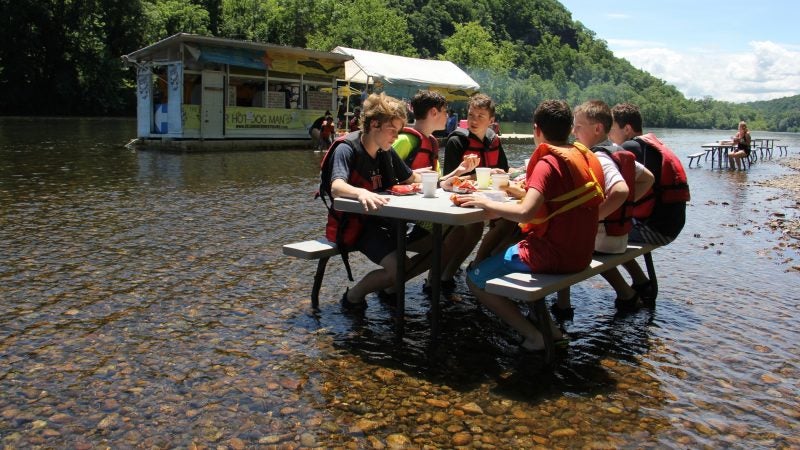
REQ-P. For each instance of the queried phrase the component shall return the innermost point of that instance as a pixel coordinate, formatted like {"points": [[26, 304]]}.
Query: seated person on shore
{"points": [[555, 241], [359, 165], [742, 142], [624, 179], [479, 140], [661, 214]]}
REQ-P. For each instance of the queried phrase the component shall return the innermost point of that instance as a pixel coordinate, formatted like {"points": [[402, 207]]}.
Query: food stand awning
{"points": [[401, 73]]}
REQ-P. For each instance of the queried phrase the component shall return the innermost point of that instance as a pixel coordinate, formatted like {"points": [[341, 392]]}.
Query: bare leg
{"points": [[463, 242], [621, 287], [636, 272], [509, 312], [384, 278]]}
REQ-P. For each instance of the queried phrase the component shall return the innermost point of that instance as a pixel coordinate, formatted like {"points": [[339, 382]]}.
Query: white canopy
{"points": [[367, 67]]}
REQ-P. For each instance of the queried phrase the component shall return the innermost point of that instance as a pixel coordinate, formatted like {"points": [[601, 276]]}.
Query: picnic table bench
{"points": [[522, 286], [533, 287]]}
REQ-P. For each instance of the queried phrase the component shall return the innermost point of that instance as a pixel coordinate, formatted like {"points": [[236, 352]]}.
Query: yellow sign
{"points": [[190, 117], [241, 117]]}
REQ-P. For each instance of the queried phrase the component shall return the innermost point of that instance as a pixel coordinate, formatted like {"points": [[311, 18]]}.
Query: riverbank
{"points": [[779, 221]]}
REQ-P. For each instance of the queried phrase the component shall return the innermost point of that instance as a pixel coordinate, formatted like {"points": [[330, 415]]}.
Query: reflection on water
{"points": [[146, 303]]}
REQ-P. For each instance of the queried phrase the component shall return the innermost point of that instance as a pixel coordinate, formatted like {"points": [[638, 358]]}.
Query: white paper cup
{"points": [[499, 180], [482, 174], [429, 181]]}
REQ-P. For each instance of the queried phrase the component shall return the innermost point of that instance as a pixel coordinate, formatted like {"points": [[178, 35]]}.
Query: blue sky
{"points": [[732, 50]]}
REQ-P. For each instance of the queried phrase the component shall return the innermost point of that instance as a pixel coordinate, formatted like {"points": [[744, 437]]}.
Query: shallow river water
{"points": [[146, 304]]}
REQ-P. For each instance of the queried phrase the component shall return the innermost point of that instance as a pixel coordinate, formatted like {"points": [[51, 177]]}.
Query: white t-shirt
{"points": [[602, 242]]}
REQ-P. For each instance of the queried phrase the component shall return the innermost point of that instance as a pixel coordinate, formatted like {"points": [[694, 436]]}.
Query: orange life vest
{"points": [[587, 179]]}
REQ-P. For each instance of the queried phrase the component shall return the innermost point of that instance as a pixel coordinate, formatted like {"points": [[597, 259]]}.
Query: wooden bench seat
{"points": [[696, 156], [320, 249], [782, 149], [533, 287]]}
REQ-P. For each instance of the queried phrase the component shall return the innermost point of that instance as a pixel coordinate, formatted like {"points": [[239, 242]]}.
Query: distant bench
{"points": [[533, 287], [696, 156]]}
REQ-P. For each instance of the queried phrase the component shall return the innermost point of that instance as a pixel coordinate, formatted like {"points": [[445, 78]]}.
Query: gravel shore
{"points": [[787, 224]]}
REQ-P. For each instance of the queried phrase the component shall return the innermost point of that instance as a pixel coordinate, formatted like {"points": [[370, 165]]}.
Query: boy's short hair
{"points": [[381, 108], [554, 119], [423, 101], [596, 111], [482, 101], [627, 114]]}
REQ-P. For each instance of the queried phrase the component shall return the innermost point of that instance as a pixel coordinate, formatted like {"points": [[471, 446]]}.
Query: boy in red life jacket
{"points": [[659, 216], [417, 145], [561, 242], [626, 180], [361, 165], [327, 132], [479, 140]]}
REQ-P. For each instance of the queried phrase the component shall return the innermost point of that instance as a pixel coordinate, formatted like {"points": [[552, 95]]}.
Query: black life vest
{"points": [[487, 149], [619, 223], [670, 185], [345, 228], [426, 154]]}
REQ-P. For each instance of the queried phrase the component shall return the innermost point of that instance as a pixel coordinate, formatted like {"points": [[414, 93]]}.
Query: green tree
{"points": [[364, 24], [163, 18]]}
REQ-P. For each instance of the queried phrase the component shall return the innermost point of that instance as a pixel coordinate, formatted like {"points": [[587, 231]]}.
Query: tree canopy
{"points": [[63, 56]]}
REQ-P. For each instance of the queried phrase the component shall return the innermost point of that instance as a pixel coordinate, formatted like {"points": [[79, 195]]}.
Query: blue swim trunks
{"points": [[502, 263]]}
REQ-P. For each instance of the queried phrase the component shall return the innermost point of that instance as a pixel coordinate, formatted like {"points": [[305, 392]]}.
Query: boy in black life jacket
{"points": [[660, 215], [626, 180], [479, 140], [359, 165]]}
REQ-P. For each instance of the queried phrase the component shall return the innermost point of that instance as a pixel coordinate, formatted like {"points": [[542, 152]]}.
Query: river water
{"points": [[146, 303]]}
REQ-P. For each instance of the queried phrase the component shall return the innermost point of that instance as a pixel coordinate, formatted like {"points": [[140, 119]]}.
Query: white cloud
{"points": [[767, 71]]}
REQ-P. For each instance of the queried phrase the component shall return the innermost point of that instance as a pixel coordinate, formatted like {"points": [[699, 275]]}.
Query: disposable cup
{"points": [[482, 174], [499, 180], [429, 181]]}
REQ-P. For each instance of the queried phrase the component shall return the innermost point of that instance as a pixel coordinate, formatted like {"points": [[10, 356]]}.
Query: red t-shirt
{"points": [[568, 243]]}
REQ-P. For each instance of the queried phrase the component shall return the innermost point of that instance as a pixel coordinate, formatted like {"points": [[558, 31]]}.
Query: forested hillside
{"points": [[63, 56]]}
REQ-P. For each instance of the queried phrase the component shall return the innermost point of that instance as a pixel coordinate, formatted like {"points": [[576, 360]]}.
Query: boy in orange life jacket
{"points": [[562, 243], [667, 219], [357, 173], [478, 139], [592, 121]]}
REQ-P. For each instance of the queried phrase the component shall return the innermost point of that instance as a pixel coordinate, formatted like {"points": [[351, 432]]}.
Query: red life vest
{"points": [[670, 186], [425, 154], [619, 223], [489, 154], [587, 179]]}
